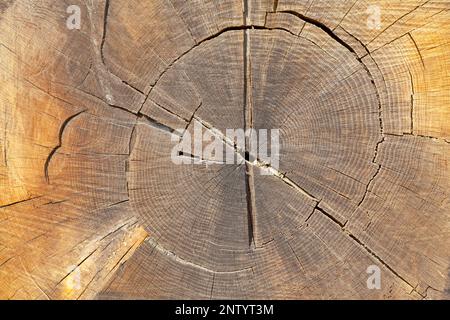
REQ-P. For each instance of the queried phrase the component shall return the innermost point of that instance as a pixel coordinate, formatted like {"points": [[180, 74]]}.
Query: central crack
{"points": [[248, 124]]}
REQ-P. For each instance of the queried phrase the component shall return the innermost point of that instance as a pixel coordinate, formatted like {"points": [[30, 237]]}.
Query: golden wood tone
{"points": [[92, 206]]}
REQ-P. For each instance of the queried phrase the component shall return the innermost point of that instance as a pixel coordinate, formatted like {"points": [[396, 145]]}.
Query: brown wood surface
{"points": [[91, 205]]}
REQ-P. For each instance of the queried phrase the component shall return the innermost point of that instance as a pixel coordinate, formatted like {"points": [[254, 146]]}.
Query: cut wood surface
{"points": [[92, 204]]}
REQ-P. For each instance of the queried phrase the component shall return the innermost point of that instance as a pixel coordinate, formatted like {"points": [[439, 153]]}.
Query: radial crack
{"points": [[362, 245], [377, 257], [157, 125], [329, 216], [173, 113], [198, 159], [192, 117], [345, 15], [5, 139], [251, 204], [248, 124], [105, 25], [417, 48], [275, 5], [256, 162], [398, 19], [412, 103], [20, 201]]}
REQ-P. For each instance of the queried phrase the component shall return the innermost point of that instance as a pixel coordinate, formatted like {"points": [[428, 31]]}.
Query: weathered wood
{"points": [[92, 205]]}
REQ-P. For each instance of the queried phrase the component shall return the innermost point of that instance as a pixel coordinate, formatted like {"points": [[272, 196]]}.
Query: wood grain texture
{"points": [[92, 205]]}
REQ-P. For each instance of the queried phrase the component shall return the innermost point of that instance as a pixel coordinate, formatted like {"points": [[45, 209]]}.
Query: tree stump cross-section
{"points": [[96, 94]]}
